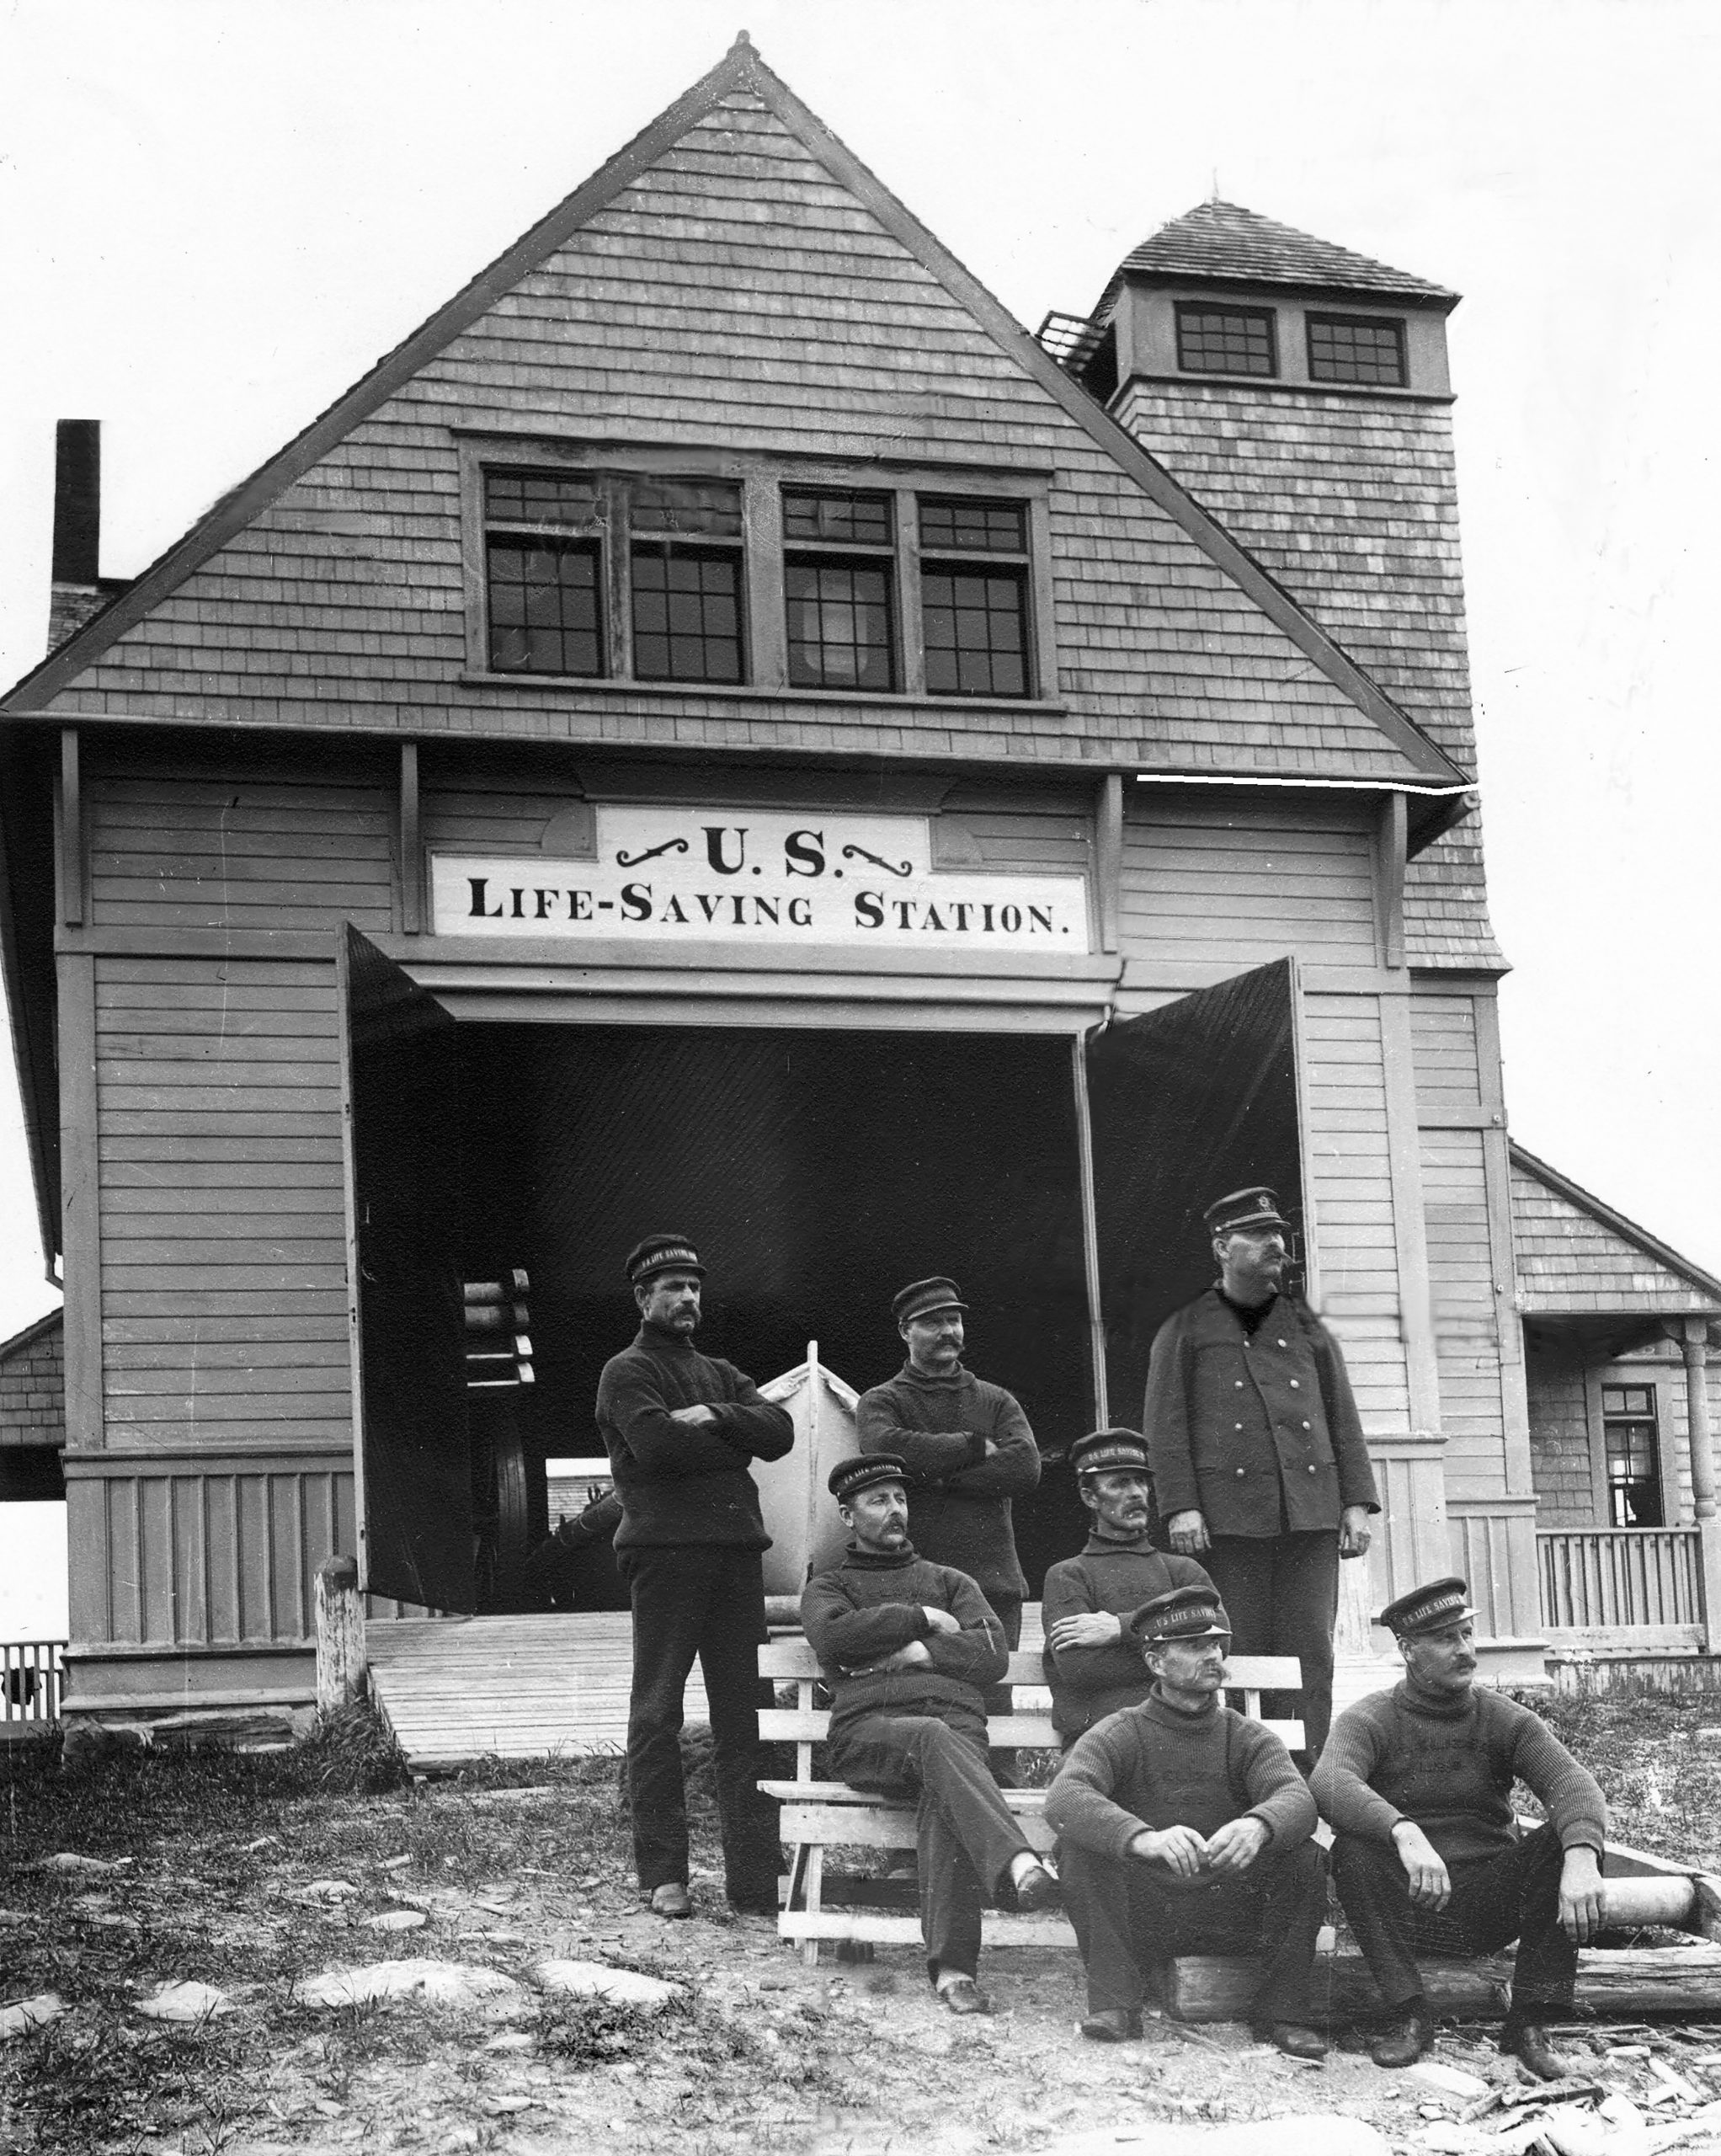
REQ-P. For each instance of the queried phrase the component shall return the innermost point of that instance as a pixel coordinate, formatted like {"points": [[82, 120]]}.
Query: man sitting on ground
{"points": [[1417, 1784], [908, 1648], [1183, 1829], [1092, 1664]]}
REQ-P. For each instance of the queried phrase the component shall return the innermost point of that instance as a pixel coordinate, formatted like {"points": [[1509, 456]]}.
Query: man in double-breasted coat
{"points": [[1259, 1462]]}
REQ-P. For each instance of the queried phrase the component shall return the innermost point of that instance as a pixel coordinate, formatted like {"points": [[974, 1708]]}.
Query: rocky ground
{"points": [[164, 1922]]}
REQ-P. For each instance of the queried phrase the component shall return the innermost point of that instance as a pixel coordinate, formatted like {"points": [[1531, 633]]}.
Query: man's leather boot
{"points": [[1111, 2024], [1405, 2037], [1294, 2038], [1528, 2042]]}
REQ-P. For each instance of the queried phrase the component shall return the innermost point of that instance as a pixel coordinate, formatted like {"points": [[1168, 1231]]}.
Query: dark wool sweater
{"points": [[959, 1500], [1151, 1766], [686, 1481], [1087, 1683], [872, 1603], [1450, 1768]]}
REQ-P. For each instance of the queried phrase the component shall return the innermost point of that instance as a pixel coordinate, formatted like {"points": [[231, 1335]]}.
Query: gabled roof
{"points": [[1224, 243], [1577, 1256], [53, 1322], [1430, 770]]}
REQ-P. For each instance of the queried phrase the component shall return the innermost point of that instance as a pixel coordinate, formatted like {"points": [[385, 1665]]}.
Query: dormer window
{"points": [[1360, 348], [1226, 340]]}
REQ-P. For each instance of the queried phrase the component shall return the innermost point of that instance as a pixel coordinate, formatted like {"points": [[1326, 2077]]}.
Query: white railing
{"points": [[1622, 1587], [32, 1673]]}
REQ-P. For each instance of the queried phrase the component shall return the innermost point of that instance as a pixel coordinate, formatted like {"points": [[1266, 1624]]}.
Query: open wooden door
{"points": [[414, 1463], [1186, 1103]]}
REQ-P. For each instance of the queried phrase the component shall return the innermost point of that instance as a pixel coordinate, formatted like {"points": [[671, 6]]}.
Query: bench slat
{"points": [[1017, 1800], [880, 1825], [1001, 1930], [1006, 1732], [794, 1657]]}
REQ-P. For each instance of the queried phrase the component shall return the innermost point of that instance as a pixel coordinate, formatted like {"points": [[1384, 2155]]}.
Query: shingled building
{"points": [[722, 726]]}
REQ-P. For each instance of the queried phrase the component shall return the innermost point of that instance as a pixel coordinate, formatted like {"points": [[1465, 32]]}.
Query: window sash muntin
{"points": [[1358, 351], [835, 605], [1236, 340], [687, 628], [548, 623]]}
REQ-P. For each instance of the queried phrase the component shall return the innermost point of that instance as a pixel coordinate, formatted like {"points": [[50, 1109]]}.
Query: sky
{"points": [[214, 217]]}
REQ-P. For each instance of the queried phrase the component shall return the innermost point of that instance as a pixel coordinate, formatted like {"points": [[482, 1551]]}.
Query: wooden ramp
{"points": [[454, 1688]]}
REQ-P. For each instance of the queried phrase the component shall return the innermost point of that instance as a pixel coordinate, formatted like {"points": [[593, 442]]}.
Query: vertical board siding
{"points": [[1495, 1552], [1350, 1172], [1241, 888], [1445, 1049], [222, 1205], [1466, 1322], [173, 1558], [185, 850]]}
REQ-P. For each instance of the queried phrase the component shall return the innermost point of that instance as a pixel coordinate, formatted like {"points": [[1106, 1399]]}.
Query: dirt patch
{"points": [[249, 1875]]}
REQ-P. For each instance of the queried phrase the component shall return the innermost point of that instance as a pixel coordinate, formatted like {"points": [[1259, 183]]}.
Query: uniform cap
{"points": [[1102, 1448], [921, 1296], [1183, 1613], [662, 1254], [1427, 1608], [1255, 1207], [862, 1471]]}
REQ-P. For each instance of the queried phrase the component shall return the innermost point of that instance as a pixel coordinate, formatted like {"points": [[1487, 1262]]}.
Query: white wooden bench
{"points": [[818, 1816]]}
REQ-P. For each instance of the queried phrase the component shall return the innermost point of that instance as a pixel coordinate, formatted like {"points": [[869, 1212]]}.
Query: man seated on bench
{"points": [[1092, 1664], [1183, 1829], [907, 1649], [1417, 1784]]}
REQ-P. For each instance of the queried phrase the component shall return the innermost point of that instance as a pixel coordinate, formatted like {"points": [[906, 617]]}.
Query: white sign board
{"points": [[745, 876]]}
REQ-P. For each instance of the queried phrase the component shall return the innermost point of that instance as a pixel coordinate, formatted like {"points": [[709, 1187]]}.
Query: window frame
{"points": [[1614, 1377], [1270, 315], [762, 477], [1398, 326]]}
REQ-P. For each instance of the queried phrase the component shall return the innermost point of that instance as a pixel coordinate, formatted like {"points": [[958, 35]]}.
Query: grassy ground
{"points": [[760, 2053]]}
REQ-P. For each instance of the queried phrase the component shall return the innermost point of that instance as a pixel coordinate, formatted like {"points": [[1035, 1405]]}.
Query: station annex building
{"points": [[723, 727]]}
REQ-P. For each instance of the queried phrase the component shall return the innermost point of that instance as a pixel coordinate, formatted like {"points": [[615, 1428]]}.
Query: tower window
{"points": [[1226, 340], [1632, 1456], [1369, 351]]}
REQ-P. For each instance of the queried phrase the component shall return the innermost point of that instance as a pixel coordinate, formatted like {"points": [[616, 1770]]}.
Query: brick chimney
{"points": [[79, 590]]}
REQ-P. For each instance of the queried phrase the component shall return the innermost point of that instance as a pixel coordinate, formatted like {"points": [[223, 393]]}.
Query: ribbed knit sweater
{"points": [[959, 1499], [874, 1602], [1151, 1766], [1449, 1766], [686, 1481], [1087, 1683]]}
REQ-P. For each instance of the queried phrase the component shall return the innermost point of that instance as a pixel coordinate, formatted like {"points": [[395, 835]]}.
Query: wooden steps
{"points": [[456, 1689]]}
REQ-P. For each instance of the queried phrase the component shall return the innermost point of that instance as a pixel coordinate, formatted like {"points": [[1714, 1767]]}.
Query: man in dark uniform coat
{"points": [[681, 1429], [966, 1447], [907, 1648], [1417, 1784], [1259, 1466], [1092, 1664], [1183, 1829]]}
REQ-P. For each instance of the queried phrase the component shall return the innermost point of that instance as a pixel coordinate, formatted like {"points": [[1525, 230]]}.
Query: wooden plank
{"points": [[81, 1223]]}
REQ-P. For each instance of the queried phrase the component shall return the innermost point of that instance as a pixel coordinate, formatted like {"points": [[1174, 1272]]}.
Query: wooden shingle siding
{"points": [[1561, 1455], [1353, 504], [1445, 1051], [186, 851], [737, 295], [1246, 886], [33, 1386], [1466, 1326], [1569, 1261], [1349, 1178], [223, 1227], [205, 1559]]}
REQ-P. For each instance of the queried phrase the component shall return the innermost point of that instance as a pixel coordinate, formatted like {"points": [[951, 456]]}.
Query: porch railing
{"points": [[1622, 1587], [32, 1674]]}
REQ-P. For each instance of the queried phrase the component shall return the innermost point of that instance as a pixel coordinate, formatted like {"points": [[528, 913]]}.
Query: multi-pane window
{"points": [[974, 597], [1226, 340], [838, 588], [1633, 1463], [686, 580], [1344, 348], [547, 537]]}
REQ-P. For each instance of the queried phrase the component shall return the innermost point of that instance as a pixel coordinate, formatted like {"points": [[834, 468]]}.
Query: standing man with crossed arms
{"points": [[680, 1428], [1259, 1465]]}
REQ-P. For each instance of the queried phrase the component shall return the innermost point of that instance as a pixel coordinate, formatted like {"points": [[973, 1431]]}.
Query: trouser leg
{"points": [[1112, 1909], [1516, 1895], [668, 1587], [729, 1654], [1281, 1595], [1291, 1891], [1375, 1891], [1000, 1698], [967, 1835]]}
